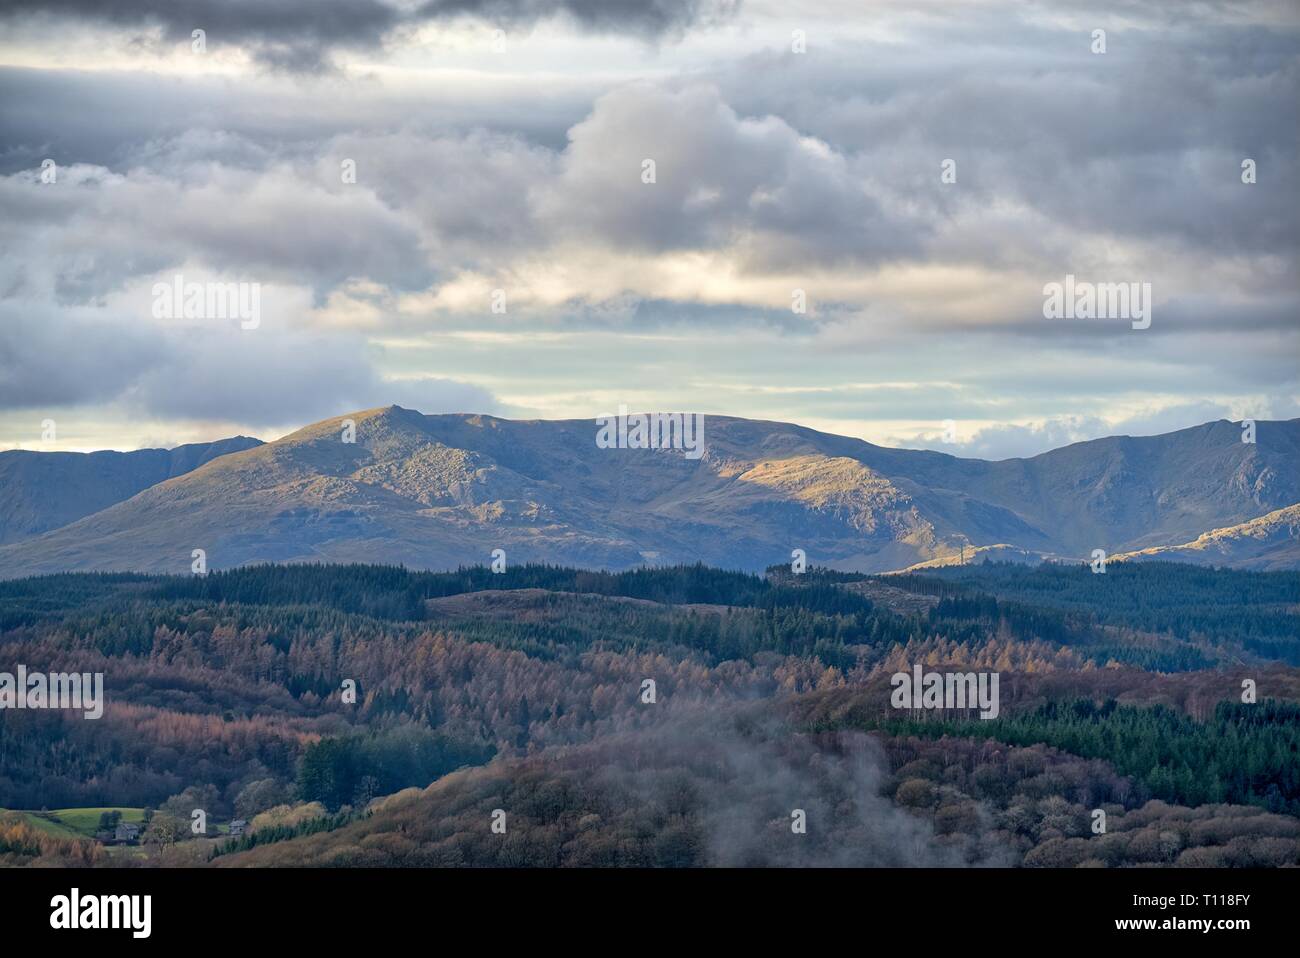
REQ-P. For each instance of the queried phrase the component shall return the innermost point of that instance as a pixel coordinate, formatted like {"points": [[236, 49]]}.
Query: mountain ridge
{"points": [[44, 491], [438, 491]]}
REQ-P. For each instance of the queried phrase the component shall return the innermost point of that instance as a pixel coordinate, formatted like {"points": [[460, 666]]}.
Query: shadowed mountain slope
{"points": [[41, 491]]}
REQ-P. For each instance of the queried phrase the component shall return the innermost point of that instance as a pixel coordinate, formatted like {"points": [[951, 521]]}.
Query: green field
{"points": [[76, 822]]}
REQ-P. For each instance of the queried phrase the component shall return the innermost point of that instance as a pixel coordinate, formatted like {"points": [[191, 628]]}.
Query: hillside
{"points": [[524, 691], [41, 491], [1271, 542], [444, 491]]}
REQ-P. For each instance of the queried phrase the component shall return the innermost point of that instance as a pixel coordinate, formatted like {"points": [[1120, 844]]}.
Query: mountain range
{"points": [[47, 490], [440, 491]]}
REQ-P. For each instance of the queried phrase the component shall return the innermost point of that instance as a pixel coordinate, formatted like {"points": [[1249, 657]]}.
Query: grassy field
{"points": [[76, 822], [48, 826]]}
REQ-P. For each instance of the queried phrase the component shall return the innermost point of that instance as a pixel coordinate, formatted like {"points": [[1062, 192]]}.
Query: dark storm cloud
{"points": [[294, 34], [647, 18], [300, 35]]}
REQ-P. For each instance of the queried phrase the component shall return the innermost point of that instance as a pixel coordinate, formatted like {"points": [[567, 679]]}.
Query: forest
{"points": [[1245, 754], [229, 689]]}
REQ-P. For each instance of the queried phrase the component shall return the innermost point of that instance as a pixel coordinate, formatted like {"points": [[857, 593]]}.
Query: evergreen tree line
{"points": [[1244, 754]]}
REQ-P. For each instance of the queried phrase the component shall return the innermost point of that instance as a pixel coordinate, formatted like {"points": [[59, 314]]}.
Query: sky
{"points": [[913, 175]]}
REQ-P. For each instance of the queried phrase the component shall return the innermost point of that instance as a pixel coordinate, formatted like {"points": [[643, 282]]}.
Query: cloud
{"points": [[1018, 441], [774, 171], [282, 373], [293, 34], [644, 18], [720, 180], [1143, 144], [123, 117], [425, 206], [302, 35], [469, 195], [40, 367], [94, 230], [269, 379]]}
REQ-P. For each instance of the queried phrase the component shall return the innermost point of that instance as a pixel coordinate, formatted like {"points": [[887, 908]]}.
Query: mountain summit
{"points": [[446, 490]]}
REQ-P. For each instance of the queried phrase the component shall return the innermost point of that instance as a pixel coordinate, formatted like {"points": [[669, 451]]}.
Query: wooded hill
{"points": [[231, 683]]}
